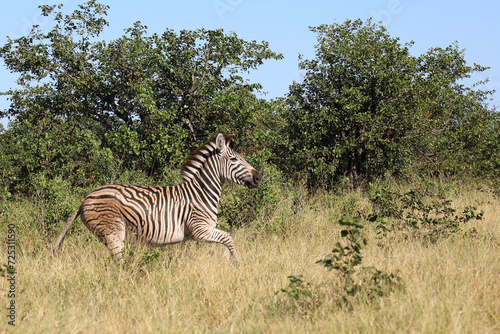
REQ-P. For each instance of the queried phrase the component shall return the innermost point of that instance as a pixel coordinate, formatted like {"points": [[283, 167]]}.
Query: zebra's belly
{"points": [[155, 235], [133, 236]]}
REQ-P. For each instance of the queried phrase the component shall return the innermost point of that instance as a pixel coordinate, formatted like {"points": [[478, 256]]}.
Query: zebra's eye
{"points": [[233, 159]]}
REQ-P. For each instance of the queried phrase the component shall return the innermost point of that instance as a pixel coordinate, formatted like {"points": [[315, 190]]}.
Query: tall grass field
{"points": [[450, 284]]}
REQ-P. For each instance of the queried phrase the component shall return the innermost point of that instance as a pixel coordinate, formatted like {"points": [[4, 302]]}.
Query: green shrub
{"points": [[240, 206], [55, 202], [424, 209]]}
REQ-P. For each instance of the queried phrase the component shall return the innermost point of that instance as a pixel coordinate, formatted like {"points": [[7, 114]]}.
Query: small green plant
{"points": [[297, 288], [381, 228], [345, 259], [378, 283], [300, 297], [150, 255]]}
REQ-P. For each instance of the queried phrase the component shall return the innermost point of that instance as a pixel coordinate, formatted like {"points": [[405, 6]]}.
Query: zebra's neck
{"points": [[203, 171], [208, 179]]}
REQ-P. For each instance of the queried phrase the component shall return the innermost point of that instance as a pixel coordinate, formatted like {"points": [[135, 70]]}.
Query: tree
{"points": [[366, 106], [150, 99]]}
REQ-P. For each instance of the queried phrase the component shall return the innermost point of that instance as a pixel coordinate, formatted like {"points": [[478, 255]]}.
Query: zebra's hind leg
{"points": [[115, 243], [110, 233]]}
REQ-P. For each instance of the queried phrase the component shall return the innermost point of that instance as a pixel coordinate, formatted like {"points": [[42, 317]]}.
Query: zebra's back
{"points": [[155, 214]]}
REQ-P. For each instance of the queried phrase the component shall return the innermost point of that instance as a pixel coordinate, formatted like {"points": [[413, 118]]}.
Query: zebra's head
{"points": [[233, 166]]}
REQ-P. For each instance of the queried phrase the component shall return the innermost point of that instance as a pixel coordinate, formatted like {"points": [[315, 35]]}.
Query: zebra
{"points": [[168, 215]]}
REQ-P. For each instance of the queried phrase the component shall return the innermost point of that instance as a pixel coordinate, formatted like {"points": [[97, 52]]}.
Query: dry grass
{"points": [[451, 286]]}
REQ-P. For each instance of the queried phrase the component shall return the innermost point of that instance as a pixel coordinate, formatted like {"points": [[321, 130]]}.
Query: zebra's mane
{"points": [[198, 157]]}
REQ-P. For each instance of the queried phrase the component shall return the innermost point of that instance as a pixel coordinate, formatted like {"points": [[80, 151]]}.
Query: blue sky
{"points": [[284, 24]]}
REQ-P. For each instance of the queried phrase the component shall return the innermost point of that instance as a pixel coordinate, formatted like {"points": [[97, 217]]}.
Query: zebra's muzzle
{"points": [[255, 180]]}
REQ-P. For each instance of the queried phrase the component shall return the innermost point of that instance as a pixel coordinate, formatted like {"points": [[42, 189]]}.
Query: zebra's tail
{"points": [[60, 238]]}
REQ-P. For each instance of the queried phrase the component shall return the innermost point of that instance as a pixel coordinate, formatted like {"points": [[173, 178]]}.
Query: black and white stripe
{"points": [[165, 215]]}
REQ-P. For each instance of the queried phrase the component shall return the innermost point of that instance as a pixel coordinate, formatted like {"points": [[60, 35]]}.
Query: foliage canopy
{"points": [[150, 99], [367, 106]]}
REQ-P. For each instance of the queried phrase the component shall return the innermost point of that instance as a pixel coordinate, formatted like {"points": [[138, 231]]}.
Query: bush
{"points": [[425, 210], [55, 202], [240, 206]]}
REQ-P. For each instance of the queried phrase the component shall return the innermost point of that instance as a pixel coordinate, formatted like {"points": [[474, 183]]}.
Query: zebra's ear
{"points": [[230, 141], [220, 141]]}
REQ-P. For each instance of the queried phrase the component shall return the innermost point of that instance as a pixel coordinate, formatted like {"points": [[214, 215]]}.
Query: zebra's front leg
{"points": [[206, 233], [224, 238]]}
